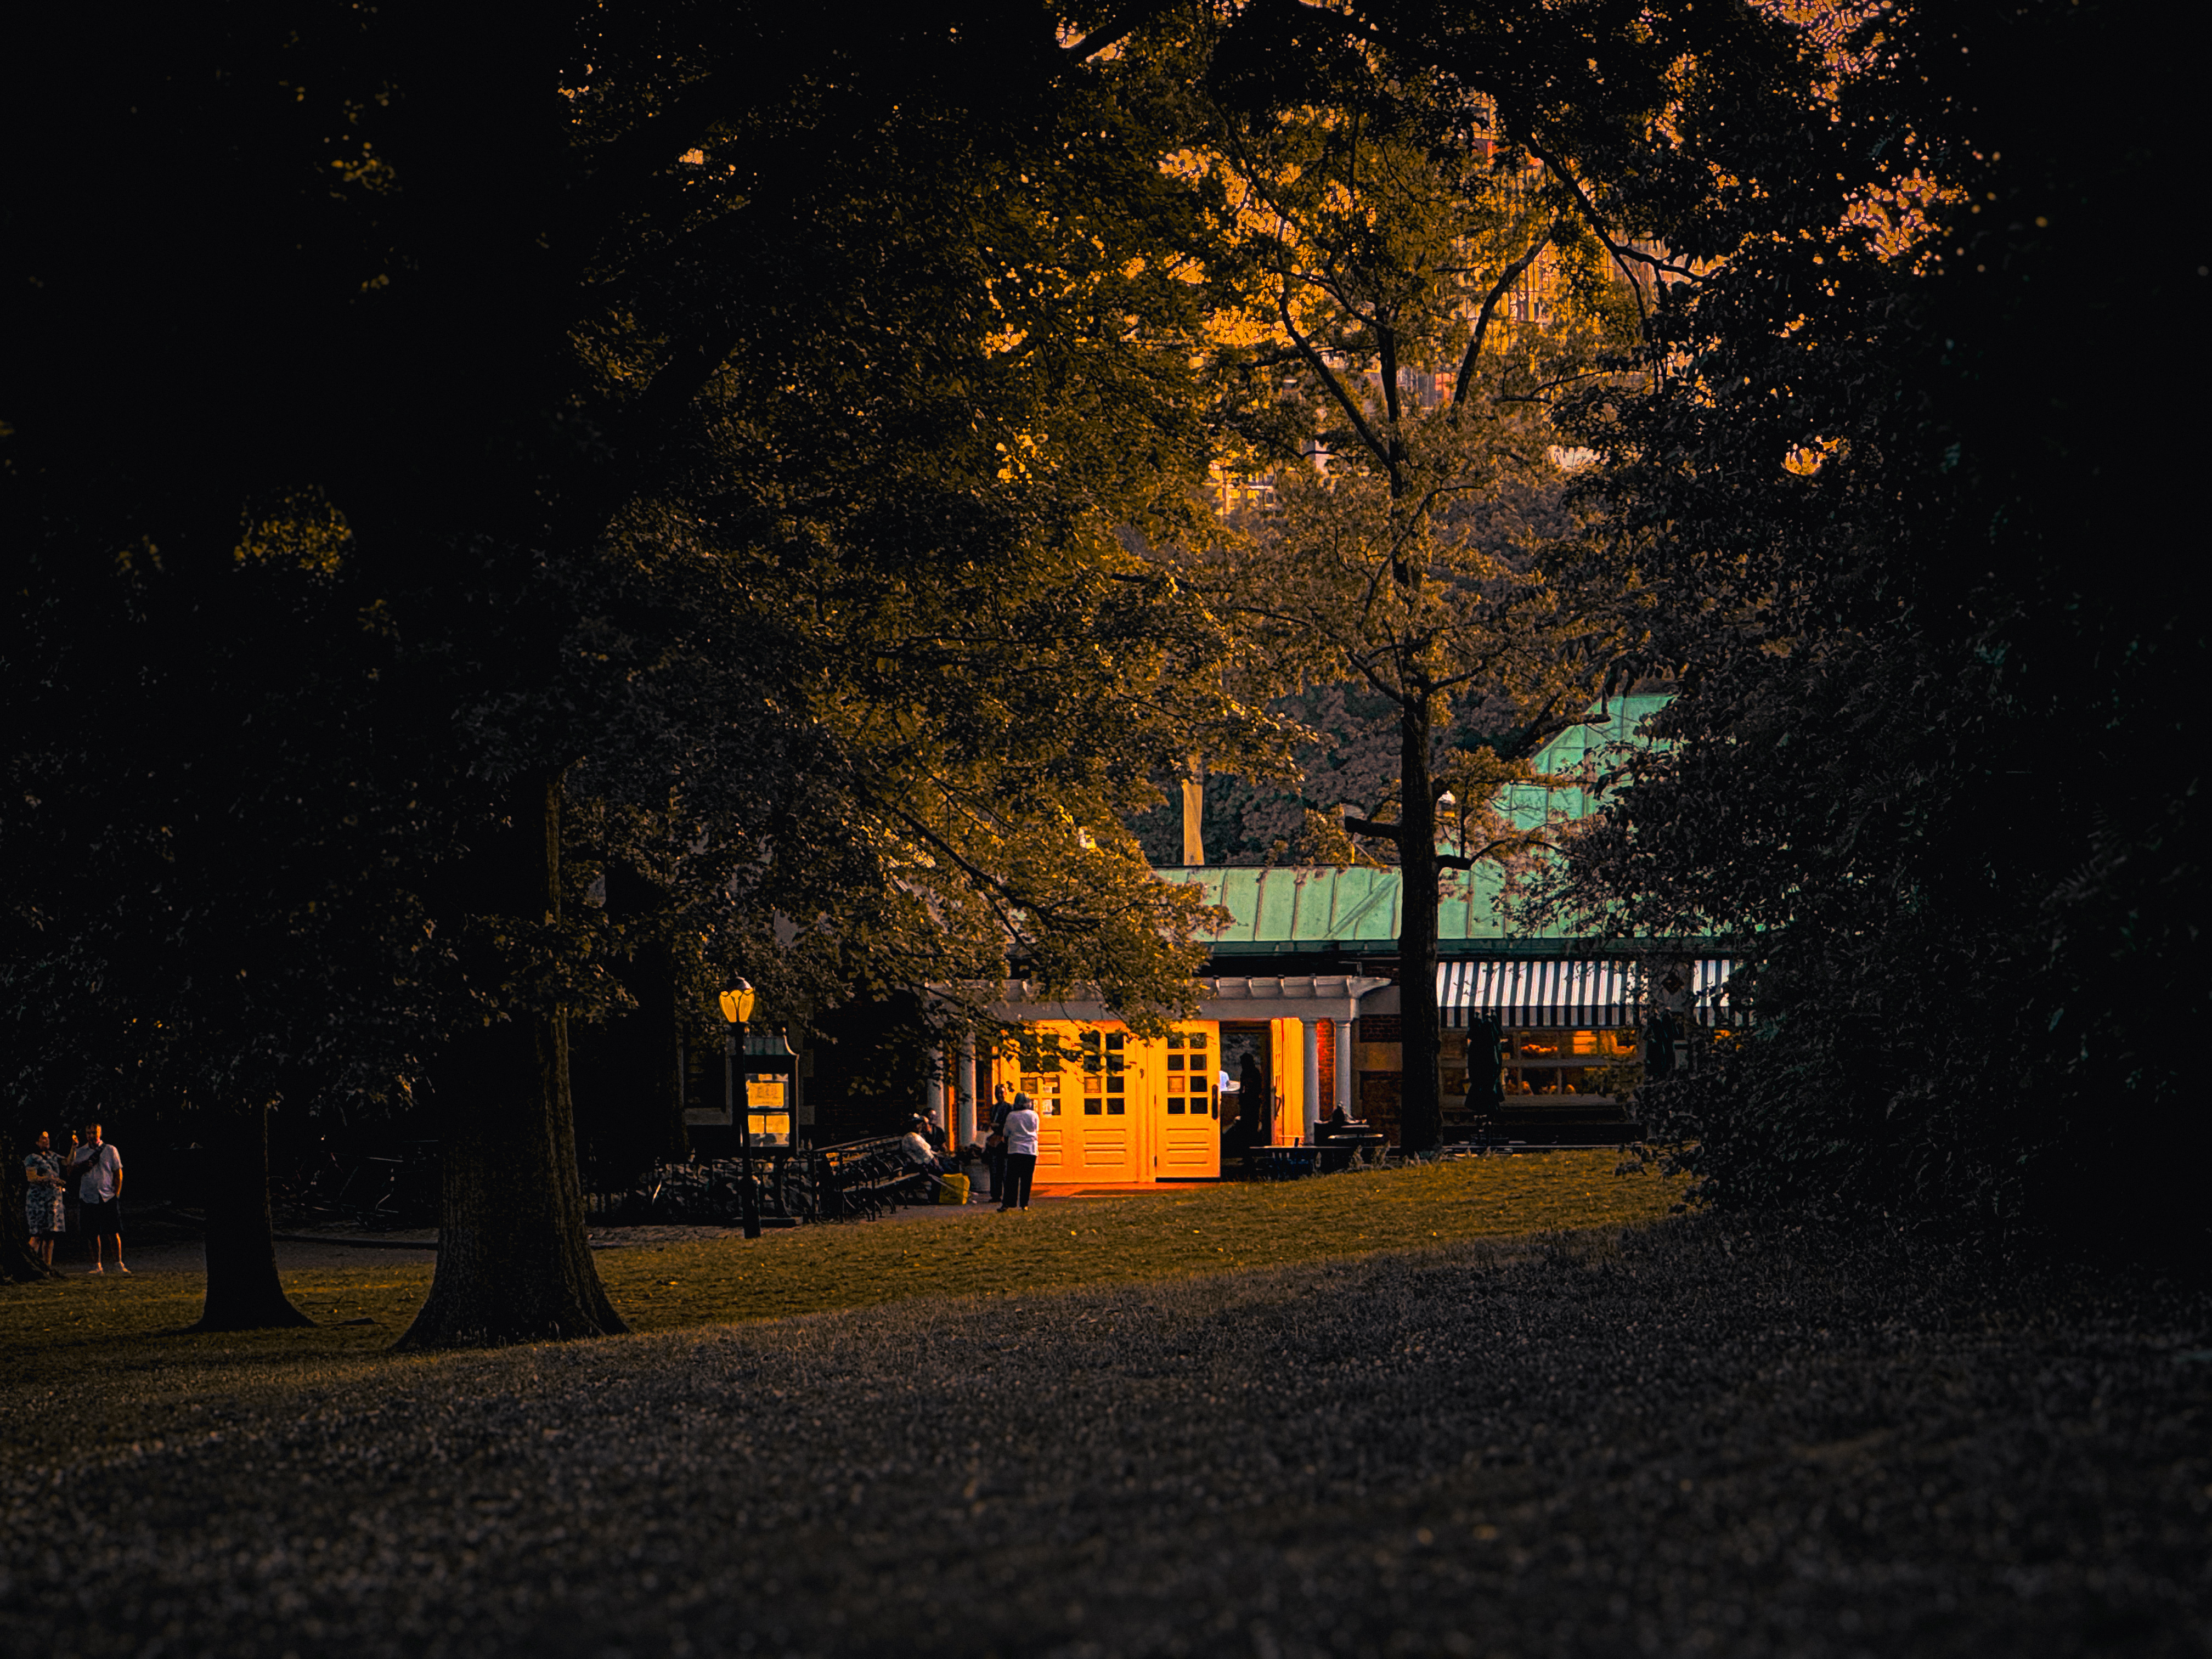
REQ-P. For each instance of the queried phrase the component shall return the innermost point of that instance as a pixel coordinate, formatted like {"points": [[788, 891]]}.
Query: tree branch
{"points": [[1114, 29], [1392, 833], [1597, 220], [1629, 251], [1367, 433], [1512, 275]]}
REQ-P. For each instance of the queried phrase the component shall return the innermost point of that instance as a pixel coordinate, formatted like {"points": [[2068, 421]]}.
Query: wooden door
{"points": [[1090, 1127], [1187, 1103], [1106, 1135]]}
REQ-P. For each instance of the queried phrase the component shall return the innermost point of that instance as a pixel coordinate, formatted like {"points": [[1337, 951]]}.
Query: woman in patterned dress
{"points": [[42, 1201]]}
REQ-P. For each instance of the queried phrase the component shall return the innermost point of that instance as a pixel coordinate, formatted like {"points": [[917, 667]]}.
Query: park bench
{"points": [[863, 1179]]}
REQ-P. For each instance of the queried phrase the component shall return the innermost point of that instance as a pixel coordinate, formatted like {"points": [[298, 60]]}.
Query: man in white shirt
{"points": [[917, 1148], [99, 1169], [1021, 1154]]}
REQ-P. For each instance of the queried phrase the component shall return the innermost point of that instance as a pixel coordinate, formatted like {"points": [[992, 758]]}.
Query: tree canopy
{"points": [[507, 522], [727, 426], [1906, 486]]}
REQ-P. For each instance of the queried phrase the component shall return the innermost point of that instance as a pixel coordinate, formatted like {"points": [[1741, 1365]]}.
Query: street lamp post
{"points": [[736, 1010]]}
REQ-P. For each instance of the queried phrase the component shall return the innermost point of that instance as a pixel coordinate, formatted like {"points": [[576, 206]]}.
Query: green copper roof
{"points": [[1291, 908], [1300, 905], [1584, 751]]}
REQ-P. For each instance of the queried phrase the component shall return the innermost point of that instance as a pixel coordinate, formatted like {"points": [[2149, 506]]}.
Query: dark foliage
{"points": [[486, 468], [1911, 518]]}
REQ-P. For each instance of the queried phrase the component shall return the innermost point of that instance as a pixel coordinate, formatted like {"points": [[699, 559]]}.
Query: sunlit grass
{"points": [[1119, 1240], [119, 1347]]}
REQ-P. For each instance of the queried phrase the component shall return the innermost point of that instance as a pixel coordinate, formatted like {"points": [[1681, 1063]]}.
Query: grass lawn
{"points": [[118, 1345], [1705, 1438], [1425, 1414]]}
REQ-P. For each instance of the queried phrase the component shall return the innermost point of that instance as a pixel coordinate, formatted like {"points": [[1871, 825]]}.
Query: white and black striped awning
{"points": [[1588, 993]]}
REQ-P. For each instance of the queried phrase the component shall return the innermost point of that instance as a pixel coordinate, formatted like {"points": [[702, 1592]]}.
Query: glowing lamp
{"points": [[738, 1002]]}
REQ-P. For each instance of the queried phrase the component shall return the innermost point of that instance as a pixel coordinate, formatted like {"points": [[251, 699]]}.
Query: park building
{"points": [[1301, 1012]]}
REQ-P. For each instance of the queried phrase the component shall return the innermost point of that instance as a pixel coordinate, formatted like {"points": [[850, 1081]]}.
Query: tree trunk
{"points": [[650, 1037], [1420, 1123], [243, 1291], [513, 1263], [1193, 813], [640, 1078], [675, 1054]]}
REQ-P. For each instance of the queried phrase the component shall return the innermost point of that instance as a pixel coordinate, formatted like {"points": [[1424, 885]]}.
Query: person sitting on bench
{"points": [[924, 1156], [924, 1164]]}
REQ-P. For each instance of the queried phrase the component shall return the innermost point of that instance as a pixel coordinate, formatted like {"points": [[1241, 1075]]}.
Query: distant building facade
{"points": [[1302, 999]]}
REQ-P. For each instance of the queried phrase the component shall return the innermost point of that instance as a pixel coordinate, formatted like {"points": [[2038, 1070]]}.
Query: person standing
{"points": [[1252, 1092], [994, 1144], [100, 1187], [1021, 1154], [45, 1207]]}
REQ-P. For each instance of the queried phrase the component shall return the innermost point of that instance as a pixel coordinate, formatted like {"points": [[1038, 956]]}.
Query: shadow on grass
{"points": [[84, 1339]]}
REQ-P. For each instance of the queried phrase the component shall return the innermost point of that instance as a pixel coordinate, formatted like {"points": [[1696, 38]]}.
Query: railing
{"points": [[856, 1181], [375, 1191]]}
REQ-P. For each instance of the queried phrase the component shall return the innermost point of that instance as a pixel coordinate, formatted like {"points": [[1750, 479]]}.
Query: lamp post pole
{"points": [[736, 1010], [747, 1196]]}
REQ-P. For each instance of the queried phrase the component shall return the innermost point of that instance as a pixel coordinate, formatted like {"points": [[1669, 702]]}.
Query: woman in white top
{"points": [[1021, 1154]]}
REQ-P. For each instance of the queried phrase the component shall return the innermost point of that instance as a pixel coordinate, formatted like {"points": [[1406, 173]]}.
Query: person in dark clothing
{"points": [[995, 1143], [1252, 1091], [1661, 1033]]}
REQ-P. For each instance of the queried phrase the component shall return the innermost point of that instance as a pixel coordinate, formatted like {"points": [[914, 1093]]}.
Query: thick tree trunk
{"points": [[623, 1077], [1420, 1123], [17, 1265], [640, 1084], [675, 1034], [513, 1263], [243, 1291]]}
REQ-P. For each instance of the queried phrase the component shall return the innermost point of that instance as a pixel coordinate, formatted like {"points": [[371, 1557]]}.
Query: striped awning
{"points": [[1588, 993], [1709, 978]]}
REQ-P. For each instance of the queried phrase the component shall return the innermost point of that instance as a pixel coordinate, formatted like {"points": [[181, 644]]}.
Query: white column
{"points": [[965, 1083], [1313, 1112], [1344, 1067]]}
